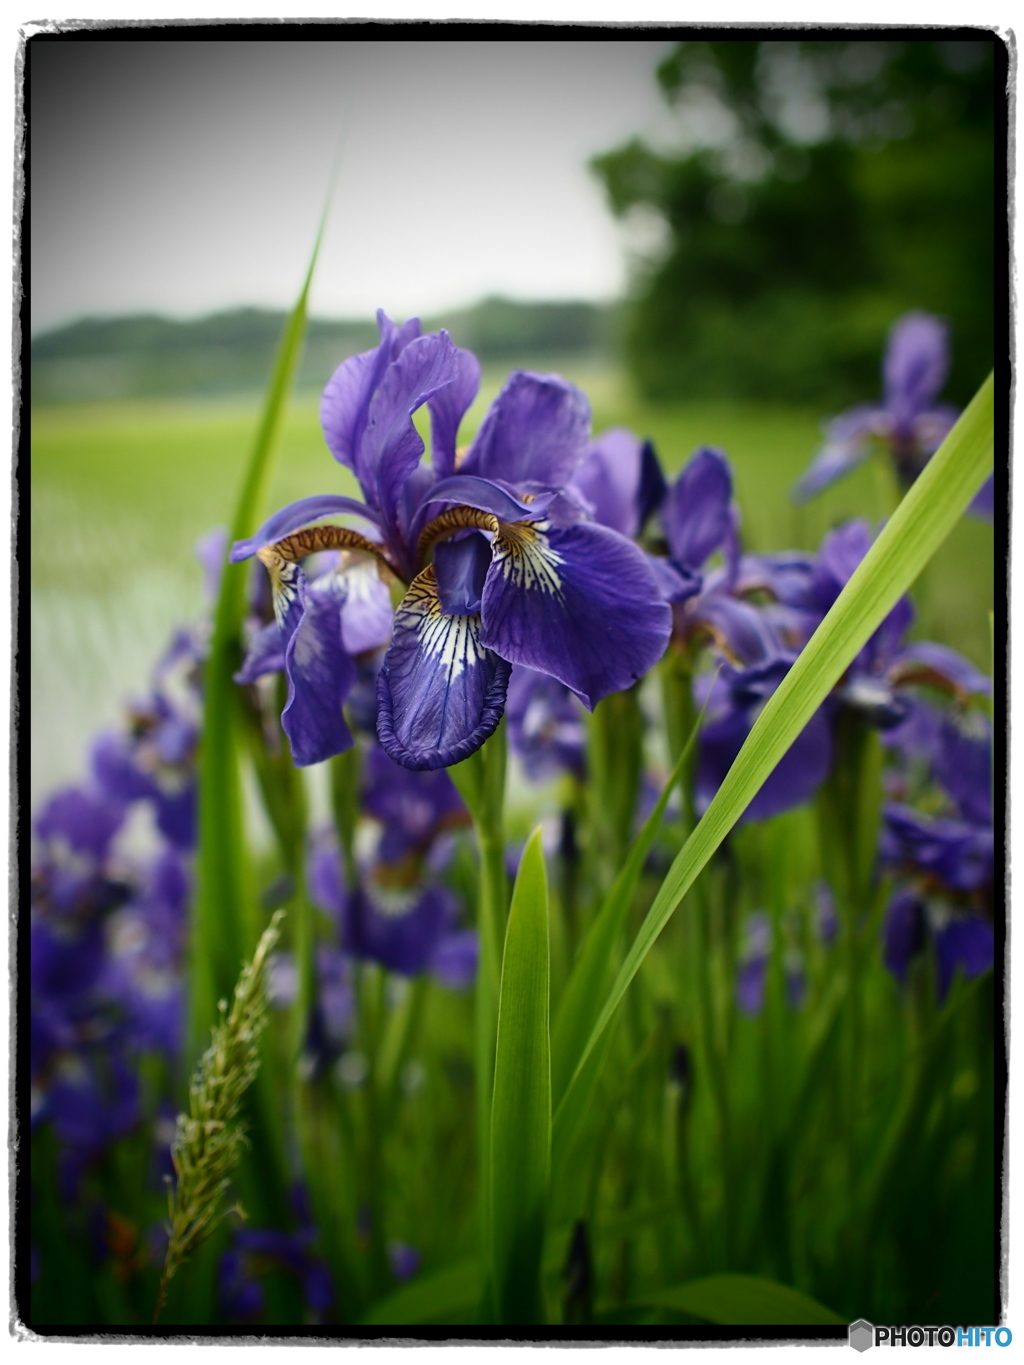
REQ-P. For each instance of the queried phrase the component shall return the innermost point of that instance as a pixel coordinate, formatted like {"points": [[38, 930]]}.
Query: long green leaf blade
{"points": [[744, 1300], [223, 928], [521, 1109], [912, 535]]}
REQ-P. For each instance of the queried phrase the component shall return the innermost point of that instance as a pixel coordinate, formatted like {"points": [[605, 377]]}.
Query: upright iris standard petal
{"points": [[344, 408], [581, 604], [440, 692], [447, 408], [391, 446], [915, 366], [963, 764], [697, 515], [621, 481], [535, 432]]}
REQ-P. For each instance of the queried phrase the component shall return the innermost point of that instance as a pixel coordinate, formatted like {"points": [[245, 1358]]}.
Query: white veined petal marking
{"points": [[284, 581], [525, 557], [454, 641]]}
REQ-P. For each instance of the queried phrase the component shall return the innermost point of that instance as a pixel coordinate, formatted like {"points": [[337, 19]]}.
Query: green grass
{"points": [[120, 493]]}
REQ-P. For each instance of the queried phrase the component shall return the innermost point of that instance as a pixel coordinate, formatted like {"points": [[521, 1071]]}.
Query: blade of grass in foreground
{"points": [[223, 926], [736, 1300], [912, 535], [521, 1110]]}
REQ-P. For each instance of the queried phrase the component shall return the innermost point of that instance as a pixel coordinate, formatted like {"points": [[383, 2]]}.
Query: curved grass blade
{"points": [[521, 1108], [450, 1295], [744, 1300], [223, 928], [912, 535]]}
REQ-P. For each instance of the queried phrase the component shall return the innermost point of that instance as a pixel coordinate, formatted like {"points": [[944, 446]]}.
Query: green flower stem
{"points": [[402, 1031], [680, 715], [615, 763]]}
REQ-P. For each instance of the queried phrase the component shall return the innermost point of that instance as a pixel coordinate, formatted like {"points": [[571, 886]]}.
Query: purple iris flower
{"points": [[254, 1252], [516, 576], [620, 484], [908, 423], [876, 683], [700, 519], [738, 696], [946, 862], [154, 759], [146, 948], [399, 913], [545, 725], [404, 1260]]}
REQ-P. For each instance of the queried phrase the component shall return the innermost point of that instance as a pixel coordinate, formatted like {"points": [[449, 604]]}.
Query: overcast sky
{"points": [[185, 176]]}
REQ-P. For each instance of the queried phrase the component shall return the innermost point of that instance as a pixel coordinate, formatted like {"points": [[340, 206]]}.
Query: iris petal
{"points": [[581, 604], [461, 567], [346, 399], [363, 601], [696, 514], [483, 494], [440, 693], [295, 516], [391, 446], [447, 409], [794, 779], [265, 655], [320, 674], [535, 432], [618, 479], [916, 364], [846, 446]]}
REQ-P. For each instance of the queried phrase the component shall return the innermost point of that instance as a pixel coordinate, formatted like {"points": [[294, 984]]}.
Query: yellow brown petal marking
{"points": [[284, 580], [525, 557], [315, 538], [455, 519]]}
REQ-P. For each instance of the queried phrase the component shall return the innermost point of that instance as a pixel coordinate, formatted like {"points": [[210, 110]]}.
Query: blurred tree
{"points": [[820, 190]]}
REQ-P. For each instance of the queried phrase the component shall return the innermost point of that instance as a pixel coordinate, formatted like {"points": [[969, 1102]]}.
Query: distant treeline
{"points": [[148, 355]]}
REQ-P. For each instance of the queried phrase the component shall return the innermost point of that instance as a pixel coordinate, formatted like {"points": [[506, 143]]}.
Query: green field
{"points": [[120, 492]]}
